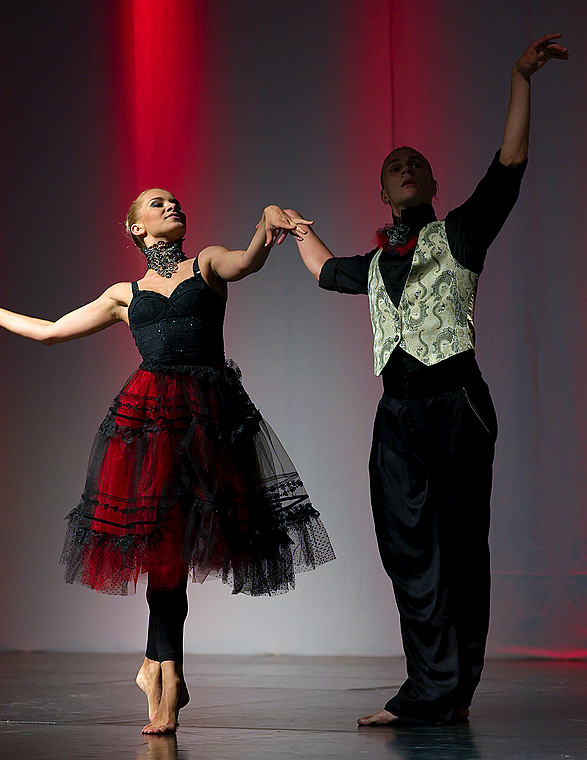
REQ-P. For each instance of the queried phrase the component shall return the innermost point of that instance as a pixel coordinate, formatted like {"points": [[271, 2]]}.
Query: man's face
{"points": [[407, 180]]}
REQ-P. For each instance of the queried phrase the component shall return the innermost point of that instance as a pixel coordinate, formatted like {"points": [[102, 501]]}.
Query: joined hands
{"points": [[279, 224]]}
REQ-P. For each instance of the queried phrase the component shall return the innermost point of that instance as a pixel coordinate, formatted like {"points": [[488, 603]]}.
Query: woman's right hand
{"points": [[279, 223]]}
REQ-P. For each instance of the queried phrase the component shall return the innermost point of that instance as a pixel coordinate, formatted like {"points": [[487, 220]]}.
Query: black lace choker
{"points": [[164, 257]]}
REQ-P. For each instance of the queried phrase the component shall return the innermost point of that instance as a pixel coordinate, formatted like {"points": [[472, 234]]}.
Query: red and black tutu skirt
{"points": [[185, 477]]}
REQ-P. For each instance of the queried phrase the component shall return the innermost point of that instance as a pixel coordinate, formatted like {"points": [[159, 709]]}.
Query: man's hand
{"points": [[278, 223], [538, 53]]}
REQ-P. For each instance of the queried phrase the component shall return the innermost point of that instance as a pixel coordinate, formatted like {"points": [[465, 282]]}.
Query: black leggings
{"points": [[168, 609]]}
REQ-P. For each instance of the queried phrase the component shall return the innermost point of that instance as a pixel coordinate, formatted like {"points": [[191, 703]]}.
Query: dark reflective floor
{"points": [[288, 708]]}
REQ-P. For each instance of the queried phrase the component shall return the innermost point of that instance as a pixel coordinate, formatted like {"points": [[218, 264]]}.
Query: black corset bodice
{"points": [[185, 328]]}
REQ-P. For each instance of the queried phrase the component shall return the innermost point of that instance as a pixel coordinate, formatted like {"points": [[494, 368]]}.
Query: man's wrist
{"points": [[519, 76]]}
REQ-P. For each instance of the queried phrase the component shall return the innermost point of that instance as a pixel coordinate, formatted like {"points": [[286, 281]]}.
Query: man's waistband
{"points": [[401, 381]]}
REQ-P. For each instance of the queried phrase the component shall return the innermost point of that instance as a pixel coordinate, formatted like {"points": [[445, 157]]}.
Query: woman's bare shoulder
{"points": [[120, 293], [207, 254], [205, 265]]}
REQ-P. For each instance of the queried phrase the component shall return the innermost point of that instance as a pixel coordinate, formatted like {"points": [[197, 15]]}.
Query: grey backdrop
{"points": [[305, 100]]}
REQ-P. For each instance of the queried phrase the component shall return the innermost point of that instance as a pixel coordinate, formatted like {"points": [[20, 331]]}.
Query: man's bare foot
{"points": [[380, 718], [460, 715], [383, 717], [149, 680], [174, 696]]}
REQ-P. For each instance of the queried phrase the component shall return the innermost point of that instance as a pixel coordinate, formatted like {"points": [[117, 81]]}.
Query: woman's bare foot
{"points": [[149, 680], [380, 718], [160, 747], [174, 696]]}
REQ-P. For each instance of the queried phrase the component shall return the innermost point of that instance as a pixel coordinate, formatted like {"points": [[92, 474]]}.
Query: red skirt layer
{"points": [[186, 477]]}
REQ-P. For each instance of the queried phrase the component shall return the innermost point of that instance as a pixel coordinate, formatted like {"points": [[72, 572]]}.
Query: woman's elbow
{"points": [[49, 336], [240, 272]]}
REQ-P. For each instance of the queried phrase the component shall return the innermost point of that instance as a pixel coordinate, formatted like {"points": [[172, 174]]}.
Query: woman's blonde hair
{"points": [[134, 216]]}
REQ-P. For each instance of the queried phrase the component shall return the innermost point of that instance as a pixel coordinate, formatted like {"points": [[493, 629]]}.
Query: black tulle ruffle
{"points": [[184, 471]]}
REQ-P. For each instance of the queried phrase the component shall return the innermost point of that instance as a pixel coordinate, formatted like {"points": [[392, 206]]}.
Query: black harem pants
{"points": [[430, 472]]}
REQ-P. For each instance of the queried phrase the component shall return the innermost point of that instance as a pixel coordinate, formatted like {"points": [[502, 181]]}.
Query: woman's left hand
{"points": [[278, 224]]}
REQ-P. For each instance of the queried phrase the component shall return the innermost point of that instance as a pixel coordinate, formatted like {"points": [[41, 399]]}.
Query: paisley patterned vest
{"points": [[434, 319]]}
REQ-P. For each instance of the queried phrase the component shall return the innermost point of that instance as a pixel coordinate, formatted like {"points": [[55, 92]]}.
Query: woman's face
{"points": [[161, 218]]}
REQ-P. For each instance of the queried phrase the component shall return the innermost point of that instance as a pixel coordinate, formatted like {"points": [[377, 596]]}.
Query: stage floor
{"points": [[62, 706]]}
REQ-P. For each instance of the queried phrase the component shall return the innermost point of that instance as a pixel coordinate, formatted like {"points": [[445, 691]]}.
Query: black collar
{"points": [[416, 217]]}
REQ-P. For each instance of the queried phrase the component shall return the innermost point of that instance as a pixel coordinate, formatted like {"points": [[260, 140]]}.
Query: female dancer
{"points": [[185, 477]]}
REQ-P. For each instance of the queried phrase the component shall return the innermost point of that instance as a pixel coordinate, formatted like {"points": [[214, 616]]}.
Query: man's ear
{"points": [[384, 197]]}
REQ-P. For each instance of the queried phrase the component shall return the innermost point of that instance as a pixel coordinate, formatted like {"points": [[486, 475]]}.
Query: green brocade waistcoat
{"points": [[434, 319]]}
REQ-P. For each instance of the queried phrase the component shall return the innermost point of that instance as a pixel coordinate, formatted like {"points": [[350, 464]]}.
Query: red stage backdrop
{"points": [[162, 86]]}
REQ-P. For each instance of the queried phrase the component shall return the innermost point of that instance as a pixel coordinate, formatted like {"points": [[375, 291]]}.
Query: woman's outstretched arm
{"points": [[273, 228], [109, 308], [514, 148]]}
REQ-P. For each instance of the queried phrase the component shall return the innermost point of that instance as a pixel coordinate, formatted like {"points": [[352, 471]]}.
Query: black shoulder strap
{"points": [[135, 287]]}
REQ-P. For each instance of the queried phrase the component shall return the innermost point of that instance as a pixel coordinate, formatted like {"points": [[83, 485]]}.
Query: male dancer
{"points": [[435, 429]]}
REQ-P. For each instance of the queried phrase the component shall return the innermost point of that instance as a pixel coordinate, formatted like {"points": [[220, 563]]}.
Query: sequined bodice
{"points": [[185, 328]]}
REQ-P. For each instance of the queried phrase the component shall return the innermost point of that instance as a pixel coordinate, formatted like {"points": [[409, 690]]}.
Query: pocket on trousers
{"points": [[479, 402]]}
